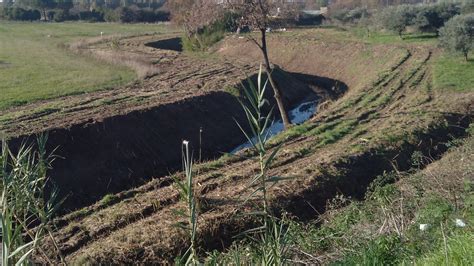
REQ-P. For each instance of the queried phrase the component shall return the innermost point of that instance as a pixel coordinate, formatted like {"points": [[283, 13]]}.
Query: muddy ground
{"points": [[388, 110]]}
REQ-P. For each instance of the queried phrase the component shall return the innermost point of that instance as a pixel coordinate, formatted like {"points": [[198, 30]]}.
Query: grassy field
{"points": [[450, 71], [34, 66], [453, 72]]}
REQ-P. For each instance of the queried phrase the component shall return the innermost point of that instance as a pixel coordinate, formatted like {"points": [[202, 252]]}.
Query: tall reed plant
{"points": [[186, 191], [272, 236], [26, 209]]}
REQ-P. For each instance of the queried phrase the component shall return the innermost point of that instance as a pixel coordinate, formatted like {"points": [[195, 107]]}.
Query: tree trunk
{"points": [[45, 16], [276, 90], [465, 56]]}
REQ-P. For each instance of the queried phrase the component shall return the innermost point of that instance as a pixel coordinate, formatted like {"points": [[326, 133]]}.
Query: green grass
{"points": [[34, 66], [108, 199], [378, 37], [450, 71], [459, 251], [453, 72]]}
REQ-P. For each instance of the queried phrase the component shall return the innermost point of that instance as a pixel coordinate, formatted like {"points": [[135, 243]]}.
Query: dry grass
{"points": [[139, 63], [113, 54]]}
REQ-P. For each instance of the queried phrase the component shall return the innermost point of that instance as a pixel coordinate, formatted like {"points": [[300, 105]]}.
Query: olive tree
{"points": [[397, 18], [431, 18], [458, 34]]}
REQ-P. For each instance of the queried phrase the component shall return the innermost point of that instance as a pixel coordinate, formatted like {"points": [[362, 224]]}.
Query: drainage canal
{"points": [[173, 44], [297, 115]]}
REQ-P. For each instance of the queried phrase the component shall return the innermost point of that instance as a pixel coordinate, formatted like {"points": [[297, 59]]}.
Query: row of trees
{"points": [[372, 4], [18, 13], [89, 4], [425, 18], [421, 18], [89, 10]]}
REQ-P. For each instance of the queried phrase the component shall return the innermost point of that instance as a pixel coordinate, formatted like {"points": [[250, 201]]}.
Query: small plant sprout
{"points": [[186, 191], [273, 233]]}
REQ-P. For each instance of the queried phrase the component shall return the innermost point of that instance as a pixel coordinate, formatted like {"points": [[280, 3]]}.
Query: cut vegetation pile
{"points": [[390, 114]]}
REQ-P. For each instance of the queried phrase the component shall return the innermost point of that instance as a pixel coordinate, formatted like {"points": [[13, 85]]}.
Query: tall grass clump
{"points": [[186, 191], [26, 209], [204, 38], [271, 238]]}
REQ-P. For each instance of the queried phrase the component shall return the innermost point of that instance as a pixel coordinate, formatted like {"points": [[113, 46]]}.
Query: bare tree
{"points": [[194, 15], [260, 15]]}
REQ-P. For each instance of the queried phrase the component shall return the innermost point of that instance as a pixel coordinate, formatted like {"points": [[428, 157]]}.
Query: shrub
{"points": [[60, 16], [428, 20], [135, 14], [431, 18], [340, 14], [17, 13], [209, 35], [229, 22], [126, 15], [356, 14], [467, 7], [34, 15], [91, 16], [397, 18], [350, 16], [111, 15], [204, 38], [50, 14], [458, 34], [161, 15]]}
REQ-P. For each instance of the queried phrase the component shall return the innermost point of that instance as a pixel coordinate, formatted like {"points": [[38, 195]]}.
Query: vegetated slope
{"points": [[384, 228], [115, 140], [375, 127]]}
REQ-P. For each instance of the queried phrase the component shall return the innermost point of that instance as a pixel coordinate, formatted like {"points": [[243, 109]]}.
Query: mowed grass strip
{"points": [[34, 66], [453, 72]]}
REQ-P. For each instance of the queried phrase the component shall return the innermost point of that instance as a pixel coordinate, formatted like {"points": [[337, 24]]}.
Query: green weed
{"points": [[108, 199]]}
